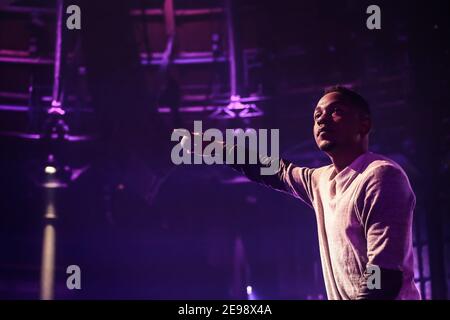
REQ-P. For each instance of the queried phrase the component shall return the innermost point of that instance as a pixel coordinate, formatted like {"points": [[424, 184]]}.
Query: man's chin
{"points": [[327, 146]]}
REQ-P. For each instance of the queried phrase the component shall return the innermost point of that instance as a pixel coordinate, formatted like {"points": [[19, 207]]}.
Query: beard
{"points": [[327, 146]]}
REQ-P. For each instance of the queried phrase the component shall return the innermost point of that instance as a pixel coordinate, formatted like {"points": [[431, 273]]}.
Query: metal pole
{"points": [[58, 46], [49, 236], [231, 47]]}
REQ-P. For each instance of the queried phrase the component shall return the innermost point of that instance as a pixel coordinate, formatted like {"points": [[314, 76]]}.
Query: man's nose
{"points": [[323, 118]]}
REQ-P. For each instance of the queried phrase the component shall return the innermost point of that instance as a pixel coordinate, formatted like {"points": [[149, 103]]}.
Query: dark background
{"points": [[140, 227]]}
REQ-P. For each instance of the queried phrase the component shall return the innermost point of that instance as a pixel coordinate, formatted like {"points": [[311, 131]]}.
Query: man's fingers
{"points": [[187, 142]]}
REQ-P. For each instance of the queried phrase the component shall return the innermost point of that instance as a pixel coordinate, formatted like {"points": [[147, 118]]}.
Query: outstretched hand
{"points": [[192, 141]]}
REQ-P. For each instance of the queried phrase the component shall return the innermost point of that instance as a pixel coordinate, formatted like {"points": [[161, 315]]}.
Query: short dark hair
{"points": [[353, 97]]}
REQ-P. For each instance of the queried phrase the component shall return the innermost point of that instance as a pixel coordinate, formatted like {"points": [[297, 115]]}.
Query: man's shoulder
{"points": [[384, 175], [377, 166], [323, 169]]}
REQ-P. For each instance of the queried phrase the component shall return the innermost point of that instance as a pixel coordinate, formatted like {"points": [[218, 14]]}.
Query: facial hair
{"points": [[327, 146]]}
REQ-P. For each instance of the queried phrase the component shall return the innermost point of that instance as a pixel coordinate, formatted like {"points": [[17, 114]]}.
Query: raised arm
{"points": [[275, 173]]}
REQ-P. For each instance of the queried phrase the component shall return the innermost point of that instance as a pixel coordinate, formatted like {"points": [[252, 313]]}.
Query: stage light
{"points": [[249, 290], [56, 175], [50, 170], [251, 294], [48, 262]]}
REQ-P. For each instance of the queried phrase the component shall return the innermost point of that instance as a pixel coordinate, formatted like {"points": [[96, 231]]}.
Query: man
{"points": [[363, 203]]}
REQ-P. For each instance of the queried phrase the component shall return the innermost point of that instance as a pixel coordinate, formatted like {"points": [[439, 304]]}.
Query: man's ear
{"points": [[365, 125]]}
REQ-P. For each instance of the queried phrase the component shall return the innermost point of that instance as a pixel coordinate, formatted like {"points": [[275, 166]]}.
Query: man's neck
{"points": [[343, 159]]}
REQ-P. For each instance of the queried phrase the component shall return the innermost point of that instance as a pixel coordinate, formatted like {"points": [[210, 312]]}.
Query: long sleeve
{"points": [[387, 219], [287, 177]]}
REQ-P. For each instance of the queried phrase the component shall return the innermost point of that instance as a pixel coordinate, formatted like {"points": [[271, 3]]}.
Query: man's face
{"points": [[337, 124]]}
